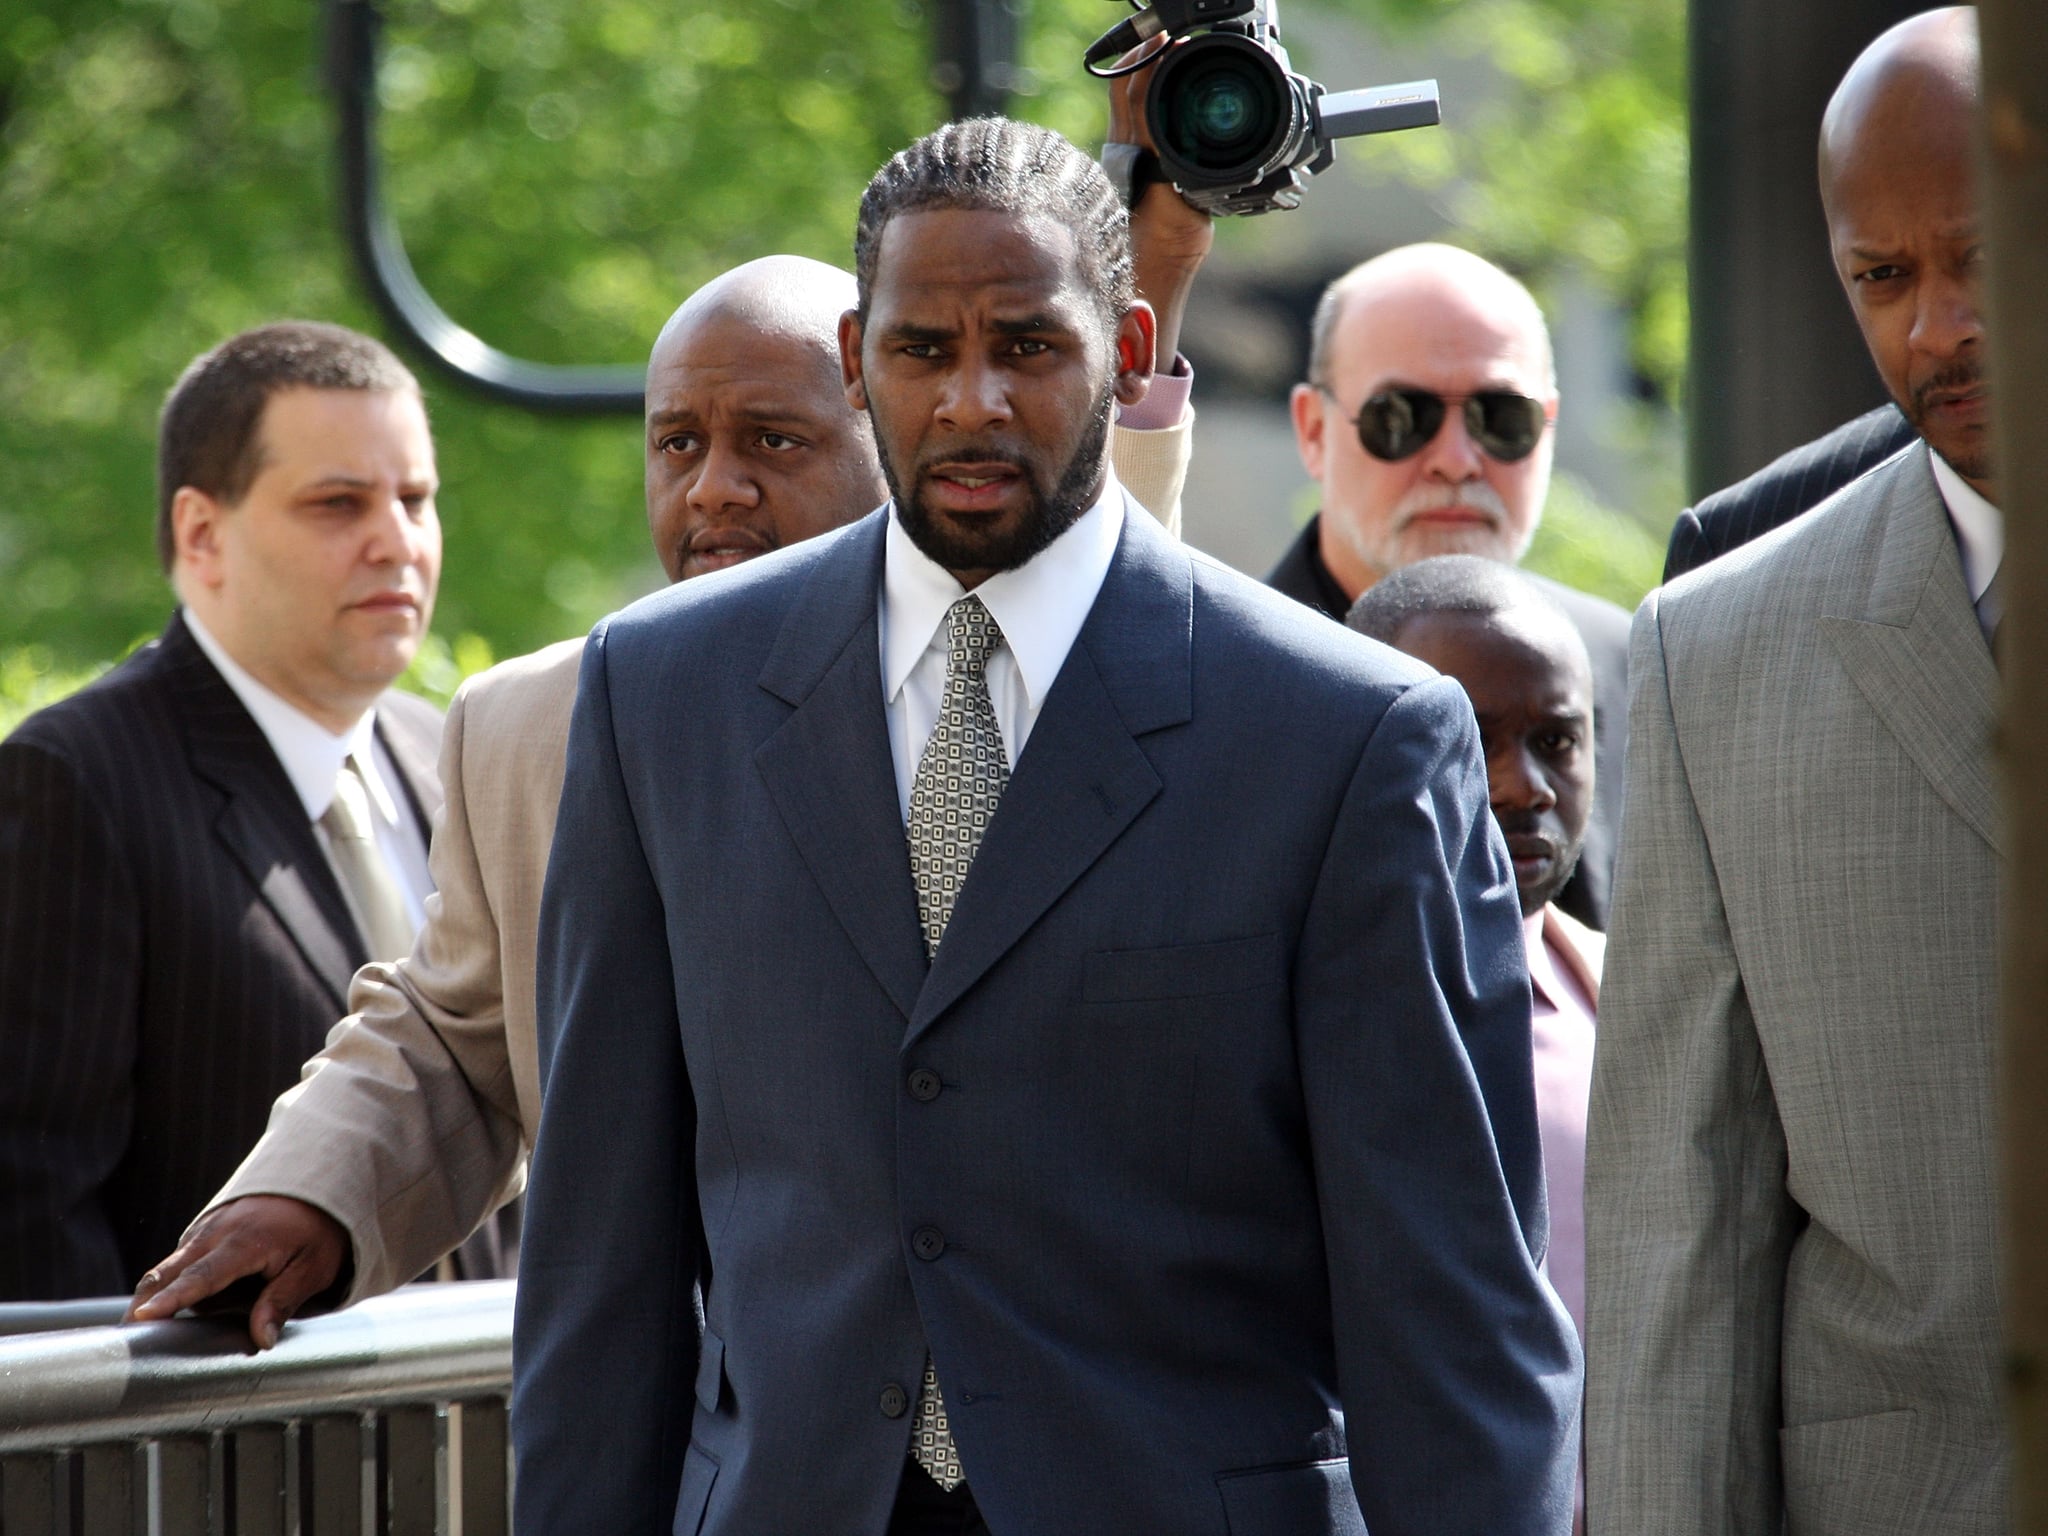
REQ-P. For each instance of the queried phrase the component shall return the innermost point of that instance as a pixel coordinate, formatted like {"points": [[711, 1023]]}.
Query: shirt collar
{"points": [[1980, 526], [1329, 591], [311, 754], [1040, 606], [1542, 968]]}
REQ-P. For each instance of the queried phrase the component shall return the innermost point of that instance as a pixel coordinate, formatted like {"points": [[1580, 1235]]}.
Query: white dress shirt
{"points": [[1980, 527], [312, 757], [1040, 608]]}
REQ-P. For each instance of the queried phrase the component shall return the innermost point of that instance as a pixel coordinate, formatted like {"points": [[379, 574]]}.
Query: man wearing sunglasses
{"points": [[1426, 420]]}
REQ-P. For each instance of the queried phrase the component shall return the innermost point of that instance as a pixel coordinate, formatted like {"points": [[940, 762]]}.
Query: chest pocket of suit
{"points": [[1181, 971]]}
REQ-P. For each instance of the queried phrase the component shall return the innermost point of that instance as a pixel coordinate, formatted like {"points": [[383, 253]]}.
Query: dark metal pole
{"points": [[2014, 191], [974, 54], [386, 271], [1776, 359]]}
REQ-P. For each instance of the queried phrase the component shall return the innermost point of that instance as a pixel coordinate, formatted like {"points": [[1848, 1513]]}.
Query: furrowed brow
{"points": [[907, 331], [1029, 325]]}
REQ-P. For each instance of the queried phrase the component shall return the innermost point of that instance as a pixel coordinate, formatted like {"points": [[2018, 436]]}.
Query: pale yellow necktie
{"points": [[372, 887]]}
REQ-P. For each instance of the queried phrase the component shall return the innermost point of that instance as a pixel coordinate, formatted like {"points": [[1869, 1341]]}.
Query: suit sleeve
{"points": [[405, 1128], [70, 959], [1458, 1368], [605, 1335], [1153, 466], [1688, 1225], [1688, 546]]}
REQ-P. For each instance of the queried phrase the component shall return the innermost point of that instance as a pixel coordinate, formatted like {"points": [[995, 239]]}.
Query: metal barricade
{"points": [[388, 1419]]}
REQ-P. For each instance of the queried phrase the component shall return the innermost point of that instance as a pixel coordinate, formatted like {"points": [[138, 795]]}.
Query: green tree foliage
{"points": [[564, 171], [1588, 545], [1582, 161]]}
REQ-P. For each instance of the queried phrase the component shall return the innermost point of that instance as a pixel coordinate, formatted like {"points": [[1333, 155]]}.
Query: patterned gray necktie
{"points": [[960, 777]]}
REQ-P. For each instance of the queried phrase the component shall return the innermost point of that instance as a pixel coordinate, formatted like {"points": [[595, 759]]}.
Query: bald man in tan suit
{"points": [[411, 1127]]}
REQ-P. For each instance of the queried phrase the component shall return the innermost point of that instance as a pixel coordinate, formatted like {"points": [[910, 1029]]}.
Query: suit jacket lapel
{"points": [[262, 822], [1082, 777], [1916, 653], [1584, 949], [828, 767]]}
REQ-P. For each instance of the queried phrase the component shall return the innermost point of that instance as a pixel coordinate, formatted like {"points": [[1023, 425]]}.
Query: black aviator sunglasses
{"points": [[1398, 423]]}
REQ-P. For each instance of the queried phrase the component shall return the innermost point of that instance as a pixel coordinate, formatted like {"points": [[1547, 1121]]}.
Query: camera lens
{"points": [[1220, 108], [1220, 111]]}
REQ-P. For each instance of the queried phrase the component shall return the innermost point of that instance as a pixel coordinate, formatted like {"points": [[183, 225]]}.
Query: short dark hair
{"points": [[1469, 584], [206, 436], [996, 164]]}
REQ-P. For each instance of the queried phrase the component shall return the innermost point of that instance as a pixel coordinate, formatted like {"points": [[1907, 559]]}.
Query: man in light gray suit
{"points": [[1792, 1247]]}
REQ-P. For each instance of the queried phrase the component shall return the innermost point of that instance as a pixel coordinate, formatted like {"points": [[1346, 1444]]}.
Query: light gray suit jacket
{"points": [[1792, 1247]]}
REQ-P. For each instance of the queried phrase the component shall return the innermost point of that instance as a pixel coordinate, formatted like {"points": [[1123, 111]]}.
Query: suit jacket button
{"points": [[927, 1243], [925, 1085], [894, 1401]]}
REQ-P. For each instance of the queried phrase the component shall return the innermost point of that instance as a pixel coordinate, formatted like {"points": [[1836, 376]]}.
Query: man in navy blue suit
{"points": [[1034, 1024]]}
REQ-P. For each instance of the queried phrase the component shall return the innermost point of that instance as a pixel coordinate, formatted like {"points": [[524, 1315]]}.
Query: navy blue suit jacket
{"points": [[1202, 1159]]}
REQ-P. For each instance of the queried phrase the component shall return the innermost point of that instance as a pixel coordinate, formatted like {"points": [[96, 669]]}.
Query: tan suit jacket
{"points": [[1792, 1236], [411, 1126]]}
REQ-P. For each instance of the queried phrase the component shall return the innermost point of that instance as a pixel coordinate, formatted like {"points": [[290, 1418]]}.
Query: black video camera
{"points": [[1238, 131]]}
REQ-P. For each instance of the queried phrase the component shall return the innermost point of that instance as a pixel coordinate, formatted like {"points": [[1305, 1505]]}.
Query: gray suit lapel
{"points": [[1082, 778], [1914, 649], [828, 767]]}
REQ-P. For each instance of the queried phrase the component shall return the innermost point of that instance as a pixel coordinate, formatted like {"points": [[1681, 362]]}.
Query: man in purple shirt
{"points": [[1521, 662]]}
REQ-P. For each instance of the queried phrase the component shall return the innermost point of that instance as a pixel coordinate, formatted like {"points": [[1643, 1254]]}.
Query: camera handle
{"points": [[1173, 17], [1379, 109]]}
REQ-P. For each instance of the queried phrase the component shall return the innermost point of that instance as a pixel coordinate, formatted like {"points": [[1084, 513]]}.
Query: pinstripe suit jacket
{"points": [[1791, 1181], [1793, 483], [173, 944]]}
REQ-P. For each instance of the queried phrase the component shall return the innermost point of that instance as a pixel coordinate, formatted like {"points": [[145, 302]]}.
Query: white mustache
{"points": [[1435, 495]]}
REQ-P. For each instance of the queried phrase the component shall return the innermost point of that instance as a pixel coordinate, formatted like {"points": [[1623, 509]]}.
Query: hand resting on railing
{"points": [[285, 1251]]}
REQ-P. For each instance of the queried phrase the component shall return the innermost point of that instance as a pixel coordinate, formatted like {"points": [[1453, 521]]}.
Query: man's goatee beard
{"points": [[1050, 513]]}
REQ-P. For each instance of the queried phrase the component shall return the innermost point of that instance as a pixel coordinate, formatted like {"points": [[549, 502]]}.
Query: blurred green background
{"points": [[564, 171]]}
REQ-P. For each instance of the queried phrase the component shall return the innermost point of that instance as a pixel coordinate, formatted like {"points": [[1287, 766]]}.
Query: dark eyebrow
{"points": [[906, 331], [1029, 325], [775, 414]]}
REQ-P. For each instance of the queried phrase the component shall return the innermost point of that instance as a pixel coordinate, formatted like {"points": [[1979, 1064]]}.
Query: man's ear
{"points": [[1305, 405], [1137, 339], [196, 549], [850, 374]]}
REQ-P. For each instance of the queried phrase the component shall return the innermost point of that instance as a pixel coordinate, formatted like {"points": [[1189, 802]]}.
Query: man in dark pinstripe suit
{"points": [[1794, 483], [175, 935]]}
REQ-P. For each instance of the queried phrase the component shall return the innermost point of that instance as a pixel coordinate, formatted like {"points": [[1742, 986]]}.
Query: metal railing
{"points": [[388, 1419]]}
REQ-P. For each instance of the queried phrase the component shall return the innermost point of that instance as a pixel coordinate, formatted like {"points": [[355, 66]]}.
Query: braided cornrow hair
{"points": [[1003, 166]]}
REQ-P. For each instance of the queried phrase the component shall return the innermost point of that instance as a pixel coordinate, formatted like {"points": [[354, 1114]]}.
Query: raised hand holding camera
{"points": [[1237, 130]]}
